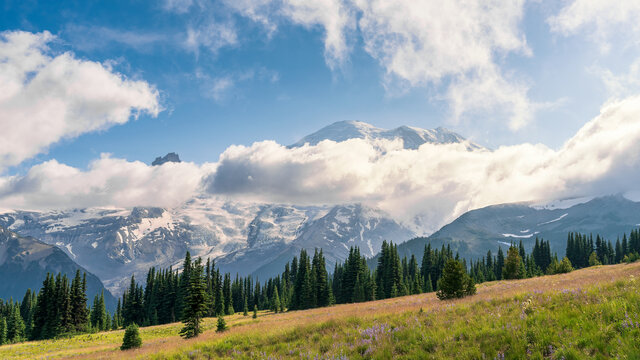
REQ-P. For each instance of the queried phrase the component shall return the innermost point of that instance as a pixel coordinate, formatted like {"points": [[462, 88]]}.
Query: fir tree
{"points": [[513, 265], [222, 325], [15, 325], [275, 301], [3, 331], [454, 283], [131, 338], [255, 311], [245, 311], [195, 307]]}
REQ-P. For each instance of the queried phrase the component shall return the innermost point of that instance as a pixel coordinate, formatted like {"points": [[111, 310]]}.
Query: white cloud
{"points": [[334, 16], [212, 36], [439, 182], [435, 182], [423, 43], [620, 85], [601, 18], [46, 98], [107, 182]]}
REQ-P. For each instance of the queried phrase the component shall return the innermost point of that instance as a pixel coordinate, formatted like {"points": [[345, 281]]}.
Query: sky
{"points": [[92, 91]]}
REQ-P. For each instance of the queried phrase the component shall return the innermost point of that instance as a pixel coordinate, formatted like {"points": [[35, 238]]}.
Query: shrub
{"points": [[131, 338]]}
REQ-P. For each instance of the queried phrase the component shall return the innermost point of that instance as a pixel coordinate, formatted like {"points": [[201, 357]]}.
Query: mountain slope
{"points": [[412, 137], [477, 231], [25, 262], [244, 238]]}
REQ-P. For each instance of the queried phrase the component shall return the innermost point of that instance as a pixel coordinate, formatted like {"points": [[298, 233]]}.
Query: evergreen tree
{"points": [[3, 331], [15, 325], [222, 325], [219, 302], [255, 311], [428, 287], [499, 265], [131, 338], [245, 311], [454, 283], [183, 290], [513, 265], [195, 307], [322, 288], [275, 301]]}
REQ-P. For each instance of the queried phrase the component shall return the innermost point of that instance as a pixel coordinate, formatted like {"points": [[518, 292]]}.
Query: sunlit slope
{"points": [[593, 312]]}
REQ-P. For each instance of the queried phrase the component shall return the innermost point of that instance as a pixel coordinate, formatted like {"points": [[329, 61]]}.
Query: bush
{"points": [[562, 267], [222, 325], [131, 338]]}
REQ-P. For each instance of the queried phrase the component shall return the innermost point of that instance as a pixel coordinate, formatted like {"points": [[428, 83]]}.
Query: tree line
{"points": [[200, 289]]}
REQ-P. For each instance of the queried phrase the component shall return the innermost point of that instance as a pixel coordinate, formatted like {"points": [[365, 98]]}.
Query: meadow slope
{"points": [[589, 313]]}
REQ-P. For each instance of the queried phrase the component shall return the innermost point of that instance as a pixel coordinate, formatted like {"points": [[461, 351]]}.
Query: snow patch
{"points": [[554, 220], [504, 243], [524, 231], [518, 236], [562, 204], [95, 244]]}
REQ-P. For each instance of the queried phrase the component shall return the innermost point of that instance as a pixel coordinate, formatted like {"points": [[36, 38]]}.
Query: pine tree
{"points": [[222, 325], [245, 308], [195, 307], [131, 338], [219, 303], [454, 283], [183, 290], [513, 265], [15, 325], [275, 301], [255, 311], [499, 265], [428, 287], [3, 331]]}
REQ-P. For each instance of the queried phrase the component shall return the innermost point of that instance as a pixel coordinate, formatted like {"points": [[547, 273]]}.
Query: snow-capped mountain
{"points": [[477, 231], [412, 137], [245, 238]]}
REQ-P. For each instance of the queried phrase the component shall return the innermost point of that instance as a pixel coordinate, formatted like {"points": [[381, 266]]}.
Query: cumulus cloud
{"points": [[601, 18], [107, 182], [422, 43], [45, 98], [439, 181]]}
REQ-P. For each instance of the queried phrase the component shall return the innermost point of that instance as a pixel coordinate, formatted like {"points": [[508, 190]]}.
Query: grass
{"points": [[589, 313]]}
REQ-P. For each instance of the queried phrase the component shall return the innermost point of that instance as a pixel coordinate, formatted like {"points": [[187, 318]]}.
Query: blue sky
{"points": [[92, 91], [281, 86]]}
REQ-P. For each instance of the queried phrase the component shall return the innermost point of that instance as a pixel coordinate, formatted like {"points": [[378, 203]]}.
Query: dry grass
{"points": [[164, 340]]}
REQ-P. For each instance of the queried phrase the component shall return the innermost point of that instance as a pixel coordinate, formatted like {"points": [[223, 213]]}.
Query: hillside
{"points": [[593, 312], [477, 231], [25, 262]]}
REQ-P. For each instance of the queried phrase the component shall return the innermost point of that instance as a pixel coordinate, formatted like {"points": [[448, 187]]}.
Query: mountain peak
{"points": [[412, 137], [170, 157]]}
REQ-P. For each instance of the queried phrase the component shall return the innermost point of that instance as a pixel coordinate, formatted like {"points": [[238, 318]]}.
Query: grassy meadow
{"points": [[589, 313]]}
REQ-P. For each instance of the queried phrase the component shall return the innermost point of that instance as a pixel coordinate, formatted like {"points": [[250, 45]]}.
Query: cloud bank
{"points": [[433, 184], [439, 180], [45, 98]]}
